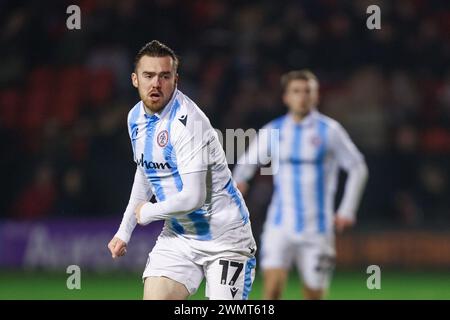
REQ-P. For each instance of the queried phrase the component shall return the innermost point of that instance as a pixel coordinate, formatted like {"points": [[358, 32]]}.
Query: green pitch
{"points": [[345, 285]]}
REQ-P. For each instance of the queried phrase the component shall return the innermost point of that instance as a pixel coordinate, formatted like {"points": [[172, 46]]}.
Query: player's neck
{"points": [[298, 117], [151, 113], [148, 111]]}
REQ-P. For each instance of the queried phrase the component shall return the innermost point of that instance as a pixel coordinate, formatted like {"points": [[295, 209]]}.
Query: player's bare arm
{"points": [[243, 187]]}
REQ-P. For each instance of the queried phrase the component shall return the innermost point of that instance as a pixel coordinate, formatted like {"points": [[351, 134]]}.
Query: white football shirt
{"points": [[309, 155], [177, 141]]}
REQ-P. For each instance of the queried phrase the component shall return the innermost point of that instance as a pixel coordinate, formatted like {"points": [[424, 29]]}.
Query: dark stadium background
{"points": [[66, 165]]}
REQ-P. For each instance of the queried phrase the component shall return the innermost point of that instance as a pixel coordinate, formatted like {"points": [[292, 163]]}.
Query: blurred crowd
{"points": [[65, 94]]}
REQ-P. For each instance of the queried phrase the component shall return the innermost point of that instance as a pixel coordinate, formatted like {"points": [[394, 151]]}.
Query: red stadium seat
{"points": [[9, 107], [38, 97], [36, 104], [69, 96], [41, 76], [100, 89]]}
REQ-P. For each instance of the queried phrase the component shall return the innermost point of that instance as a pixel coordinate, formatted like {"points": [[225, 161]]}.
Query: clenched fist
{"points": [[117, 247], [342, 223]]}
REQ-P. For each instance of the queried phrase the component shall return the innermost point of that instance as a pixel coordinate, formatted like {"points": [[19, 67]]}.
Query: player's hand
{"points": [[117, 247], [137, 212], [341, 223], [243, 188]]}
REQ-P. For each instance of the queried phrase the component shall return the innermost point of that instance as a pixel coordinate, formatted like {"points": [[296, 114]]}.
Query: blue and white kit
{"points": [[178, 153], [300, 220]]}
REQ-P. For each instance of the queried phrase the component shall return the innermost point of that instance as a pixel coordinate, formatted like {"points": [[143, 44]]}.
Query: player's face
{"points": [[301, 96], [156, 79]]}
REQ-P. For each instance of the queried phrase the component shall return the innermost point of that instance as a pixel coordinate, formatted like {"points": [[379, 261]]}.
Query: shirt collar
{"points": [[306, 121]]}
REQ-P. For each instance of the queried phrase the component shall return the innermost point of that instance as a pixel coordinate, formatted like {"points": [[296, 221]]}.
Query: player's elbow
{"points": [[364, 171], [359, 172]]}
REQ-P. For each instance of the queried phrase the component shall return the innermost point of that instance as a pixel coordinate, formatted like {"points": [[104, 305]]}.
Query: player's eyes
{"points": [[165, 76]]}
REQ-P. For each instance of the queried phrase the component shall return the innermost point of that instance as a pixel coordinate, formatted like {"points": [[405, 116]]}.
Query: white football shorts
{"points": [[227, 262], [314, 255]]}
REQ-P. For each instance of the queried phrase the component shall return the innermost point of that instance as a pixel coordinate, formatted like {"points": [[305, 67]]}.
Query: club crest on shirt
{"points": [[162, 138], [316, 141]]}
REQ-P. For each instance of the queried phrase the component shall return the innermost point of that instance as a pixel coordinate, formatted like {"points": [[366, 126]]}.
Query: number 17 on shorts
{"points": [[230, 279]]}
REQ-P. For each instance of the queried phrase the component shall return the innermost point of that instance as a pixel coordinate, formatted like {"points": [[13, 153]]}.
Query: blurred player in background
{"points": [[300, 222], [181, 162]]}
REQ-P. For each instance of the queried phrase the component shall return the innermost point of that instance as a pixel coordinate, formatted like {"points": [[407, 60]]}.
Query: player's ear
{"points": [[134, 80], [284, 98], [315, 92], [176, 79]]}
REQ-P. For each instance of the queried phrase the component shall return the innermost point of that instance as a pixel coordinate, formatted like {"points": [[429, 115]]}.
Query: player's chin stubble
{"points": [[156, 106], [153, 106]]}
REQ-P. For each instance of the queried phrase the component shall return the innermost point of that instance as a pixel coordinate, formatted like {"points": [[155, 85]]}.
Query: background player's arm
{"points": [[352, 161], [140, 192], [258, 154]]}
